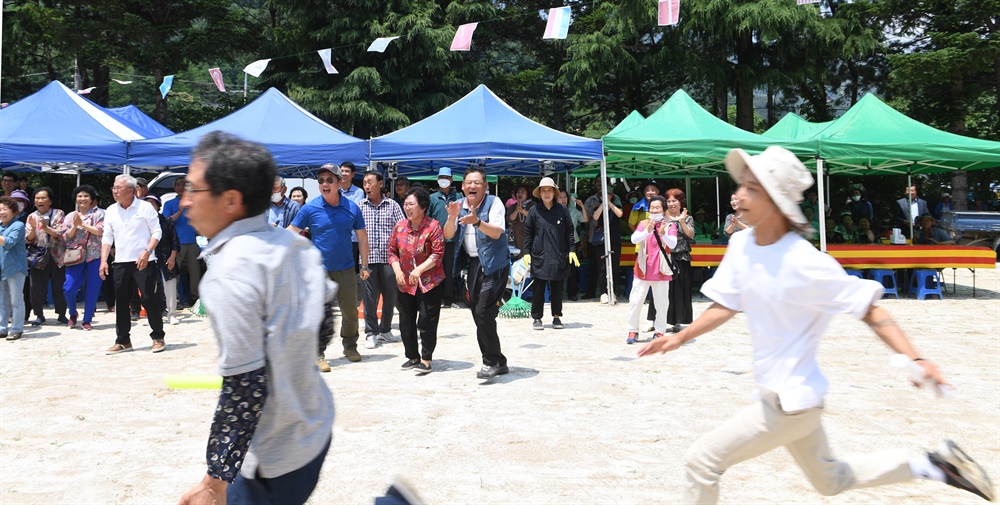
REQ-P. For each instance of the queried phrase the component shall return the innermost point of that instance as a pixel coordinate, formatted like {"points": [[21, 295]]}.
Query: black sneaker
{"points": [[557, 324], [503, 370], [421, 368], [410, 363], [961, 471], [537, 324], [40, 320], [134, 315], [487, 372]]}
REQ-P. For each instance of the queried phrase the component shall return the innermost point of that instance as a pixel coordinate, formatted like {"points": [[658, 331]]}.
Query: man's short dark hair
{"points": [[403, 181], [478, 170], [348, 164], [234, 163], [422, 196], [376, 174], [12, 177]]}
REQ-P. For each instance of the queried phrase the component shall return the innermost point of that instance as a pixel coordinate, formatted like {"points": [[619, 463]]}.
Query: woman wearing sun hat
{"points": [[790, 292], [549, 250]]}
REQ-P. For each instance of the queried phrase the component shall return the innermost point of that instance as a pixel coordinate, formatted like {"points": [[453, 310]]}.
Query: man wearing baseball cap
{"points": [[439, 211], [331, 219], [790, 292]]}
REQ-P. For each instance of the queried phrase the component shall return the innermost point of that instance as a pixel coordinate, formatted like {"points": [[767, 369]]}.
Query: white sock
{"points": [[922, 468]]}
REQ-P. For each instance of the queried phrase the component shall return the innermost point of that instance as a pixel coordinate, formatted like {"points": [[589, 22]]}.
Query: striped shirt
{"points": [[379, 221]]}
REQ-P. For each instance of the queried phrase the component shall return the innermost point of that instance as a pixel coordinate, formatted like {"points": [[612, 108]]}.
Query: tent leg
{"points": [[822, 204], [610, 268]]}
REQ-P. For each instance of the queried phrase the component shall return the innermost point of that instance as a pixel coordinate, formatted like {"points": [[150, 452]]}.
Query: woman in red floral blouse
{"points": [[416, 249]]}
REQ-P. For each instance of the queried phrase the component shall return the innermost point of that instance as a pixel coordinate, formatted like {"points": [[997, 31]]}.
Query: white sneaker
{"points": [[371, 341], [604, 298], [649, 326], [174, 320]]}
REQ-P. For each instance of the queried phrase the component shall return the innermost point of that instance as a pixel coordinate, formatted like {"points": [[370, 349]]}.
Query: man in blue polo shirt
{"points": [[188, 259], [331, 219]]}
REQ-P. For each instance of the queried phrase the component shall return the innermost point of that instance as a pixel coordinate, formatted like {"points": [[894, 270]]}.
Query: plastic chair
{"points": [[856, 273], [926, 282], [888, 280]]}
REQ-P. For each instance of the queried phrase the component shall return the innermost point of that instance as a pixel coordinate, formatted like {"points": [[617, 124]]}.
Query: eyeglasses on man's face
{"points": [[327, 180], [188, 188]]}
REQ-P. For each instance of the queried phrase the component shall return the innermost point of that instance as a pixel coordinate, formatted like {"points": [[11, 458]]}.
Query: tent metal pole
{"points": [[822, 204], [718, 206], [610, 277], [909, 199]]}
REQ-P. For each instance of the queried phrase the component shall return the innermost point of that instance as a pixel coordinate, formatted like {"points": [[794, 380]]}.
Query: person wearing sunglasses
{"points": [[331, 219]]}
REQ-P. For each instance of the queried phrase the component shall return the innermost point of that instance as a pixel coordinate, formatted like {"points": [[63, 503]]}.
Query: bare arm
{"points": [[881, 322], [712, 318]]}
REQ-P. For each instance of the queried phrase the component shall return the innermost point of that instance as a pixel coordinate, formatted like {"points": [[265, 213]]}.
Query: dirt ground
{"points": [[578, 420]]}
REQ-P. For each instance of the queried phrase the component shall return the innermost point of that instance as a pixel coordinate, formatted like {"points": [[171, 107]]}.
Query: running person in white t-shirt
{"points": [[790, 291]]}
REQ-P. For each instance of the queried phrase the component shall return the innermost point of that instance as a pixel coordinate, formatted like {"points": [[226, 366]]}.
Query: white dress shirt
{"points": [[129, 230]]}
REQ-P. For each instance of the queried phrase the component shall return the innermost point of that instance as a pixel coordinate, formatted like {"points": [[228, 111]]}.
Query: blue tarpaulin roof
{"points": [[139, 118], [299, 141], [480, 129], [55, 127]]}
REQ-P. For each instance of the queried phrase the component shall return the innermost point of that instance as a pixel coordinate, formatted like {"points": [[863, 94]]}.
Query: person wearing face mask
{"points": [[641, 209], [282, 210], [439, 211], [654, 238], [859, 206]]}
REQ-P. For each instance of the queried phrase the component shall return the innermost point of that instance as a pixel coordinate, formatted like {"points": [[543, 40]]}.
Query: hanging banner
{"points": [[325, 55], [256, 68], [463, 37], [122, 82], [380, 44], [217, 78], [557, 26], [669, 12], [168, 81], [86, 91]]}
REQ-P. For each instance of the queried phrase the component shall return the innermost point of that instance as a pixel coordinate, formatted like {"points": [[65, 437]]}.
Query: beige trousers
{"points": [[764, 426]]}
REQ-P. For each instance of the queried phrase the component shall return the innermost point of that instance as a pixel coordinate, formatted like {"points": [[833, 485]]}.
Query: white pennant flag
{"points": [[325, 54], [380, 44], [122, 82], [256, 68], [86, 91]]}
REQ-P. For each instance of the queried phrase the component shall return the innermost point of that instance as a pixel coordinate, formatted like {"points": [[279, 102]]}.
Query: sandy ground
{"points": [[579, 419]]}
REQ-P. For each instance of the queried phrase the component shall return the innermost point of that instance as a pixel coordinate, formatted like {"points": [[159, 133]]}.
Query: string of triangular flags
{"points": [[556, 27]]}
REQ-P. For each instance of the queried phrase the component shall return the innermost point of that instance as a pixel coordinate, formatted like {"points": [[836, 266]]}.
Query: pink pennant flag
{"points": [[463, 37], [669, 12], [557, 27], [217, 78], [325, 55], [806, 2], [86, 91]]}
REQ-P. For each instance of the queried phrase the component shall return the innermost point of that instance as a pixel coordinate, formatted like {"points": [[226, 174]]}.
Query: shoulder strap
{"points": [[662, 250]]}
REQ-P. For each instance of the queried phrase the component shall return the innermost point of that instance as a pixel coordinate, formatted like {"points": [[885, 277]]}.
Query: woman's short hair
{"points": [[678, 195], [47, 190], [305, 194], [85, 188], [9, 202], [421, 195], [659, 198]]}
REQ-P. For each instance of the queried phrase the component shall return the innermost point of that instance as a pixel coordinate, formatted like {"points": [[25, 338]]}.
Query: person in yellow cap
{"points": [[548, 242]]}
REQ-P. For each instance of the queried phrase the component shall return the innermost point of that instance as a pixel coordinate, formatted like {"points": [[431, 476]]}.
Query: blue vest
{"points": [[494, 254]]}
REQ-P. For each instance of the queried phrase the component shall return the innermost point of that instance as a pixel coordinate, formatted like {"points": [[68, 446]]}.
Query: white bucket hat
{"points": [[546, 182], [781, 174]]}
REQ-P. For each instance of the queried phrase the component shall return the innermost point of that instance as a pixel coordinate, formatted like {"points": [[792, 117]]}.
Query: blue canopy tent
{"points": [[133, 114], [480, 129], [55, 129], [299, 141]]}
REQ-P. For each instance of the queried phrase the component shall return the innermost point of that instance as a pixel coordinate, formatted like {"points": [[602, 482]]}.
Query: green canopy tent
{"points": [[872, 138], [793, 127]]}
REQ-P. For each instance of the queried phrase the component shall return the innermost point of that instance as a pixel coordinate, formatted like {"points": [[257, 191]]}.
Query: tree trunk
{"points": [[772, 115], [959, 179], [160, 112], [744, 81], [720, 101]]}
